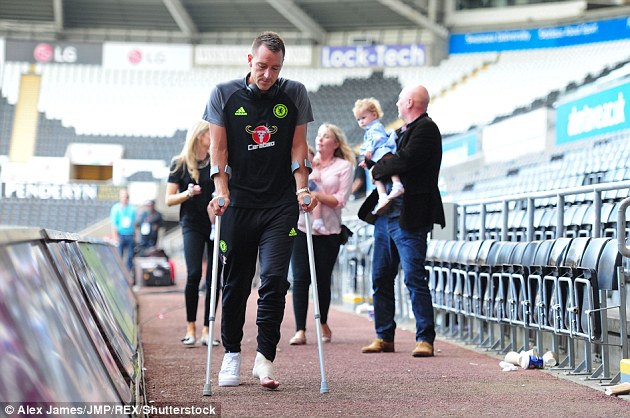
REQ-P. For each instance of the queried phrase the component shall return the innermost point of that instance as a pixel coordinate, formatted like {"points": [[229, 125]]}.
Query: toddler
{"points": [[377, 144]]}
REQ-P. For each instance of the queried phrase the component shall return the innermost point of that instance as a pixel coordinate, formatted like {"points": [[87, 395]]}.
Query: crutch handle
{"points": [[221, 201], [307, 199]]}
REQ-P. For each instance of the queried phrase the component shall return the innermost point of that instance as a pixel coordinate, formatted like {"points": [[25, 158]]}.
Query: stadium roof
{"points": [[195, 20]]}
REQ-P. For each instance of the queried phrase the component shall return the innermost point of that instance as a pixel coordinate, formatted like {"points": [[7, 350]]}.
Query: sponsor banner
{"points": [[38, 169], [600, 113], [53, 52], [83, 153], [459, 148], [68, 191], [409, 55], [514, 137], [222, 55], [145, 56], [545, 37]]}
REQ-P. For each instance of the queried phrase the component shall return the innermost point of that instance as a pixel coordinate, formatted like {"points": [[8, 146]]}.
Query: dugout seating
{"points": [[551, 287], [354, 265]]}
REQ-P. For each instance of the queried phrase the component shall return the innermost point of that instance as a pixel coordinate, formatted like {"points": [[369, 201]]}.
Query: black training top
{"points": [[193, 213], [260, 129]]}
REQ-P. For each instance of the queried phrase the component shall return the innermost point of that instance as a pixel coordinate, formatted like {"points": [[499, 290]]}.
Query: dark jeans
{"points": [[394, 245], [126, 244], [195, 244], [251, 233], [325, 251]]}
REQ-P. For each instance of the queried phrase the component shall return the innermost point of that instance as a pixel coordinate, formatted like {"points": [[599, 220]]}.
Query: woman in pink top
{"points": [[332, 172]]}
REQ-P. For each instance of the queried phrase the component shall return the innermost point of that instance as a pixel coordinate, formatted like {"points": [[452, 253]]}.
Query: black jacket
{"points": [[417, 162]]}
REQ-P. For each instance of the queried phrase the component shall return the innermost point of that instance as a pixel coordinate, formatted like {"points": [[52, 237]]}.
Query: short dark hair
{"points": [[271, 40]]}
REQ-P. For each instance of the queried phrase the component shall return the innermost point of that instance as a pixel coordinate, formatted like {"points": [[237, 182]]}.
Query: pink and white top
{"points": [[335, 179]]}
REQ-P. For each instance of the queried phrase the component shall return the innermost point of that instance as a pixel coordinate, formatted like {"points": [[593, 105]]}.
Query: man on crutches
{"points": [[260, 169]]}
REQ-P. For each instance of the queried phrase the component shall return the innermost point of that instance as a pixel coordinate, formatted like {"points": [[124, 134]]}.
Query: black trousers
{"points": [[247, 235], [195, 244], [325, 252]]}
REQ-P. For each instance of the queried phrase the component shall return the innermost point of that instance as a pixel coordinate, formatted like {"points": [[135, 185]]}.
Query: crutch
{"points": [[311, 262], [207, 388]]}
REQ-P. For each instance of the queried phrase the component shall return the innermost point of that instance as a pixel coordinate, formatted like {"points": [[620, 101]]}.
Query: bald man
{"points": [[400, 234]]}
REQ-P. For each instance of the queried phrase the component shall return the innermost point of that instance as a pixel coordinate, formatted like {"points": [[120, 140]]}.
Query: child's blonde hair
{"points": [[370, 104]]}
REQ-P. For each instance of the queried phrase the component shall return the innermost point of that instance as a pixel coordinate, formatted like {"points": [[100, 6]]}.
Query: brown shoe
{"points": [[379, 345], [423, 349]]}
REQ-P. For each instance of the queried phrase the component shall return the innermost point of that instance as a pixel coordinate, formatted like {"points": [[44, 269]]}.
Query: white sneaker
{"points": [[263, 370], [230, 374]]}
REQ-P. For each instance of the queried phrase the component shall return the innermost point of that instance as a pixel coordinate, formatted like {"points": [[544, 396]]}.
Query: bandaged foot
{"points": [[263, 370]]}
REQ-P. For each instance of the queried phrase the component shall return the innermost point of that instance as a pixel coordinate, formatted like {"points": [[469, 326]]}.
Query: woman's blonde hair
{"points": [[344, 151], [370, 104], [188, 155]]}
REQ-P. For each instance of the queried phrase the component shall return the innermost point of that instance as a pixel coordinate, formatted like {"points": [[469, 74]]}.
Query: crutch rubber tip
{"points": [[207, 390], [323, 388]]}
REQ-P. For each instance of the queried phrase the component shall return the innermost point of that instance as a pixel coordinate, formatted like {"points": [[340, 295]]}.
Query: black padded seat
{"points": [[609, 261], [441, 269], [434, 249], [492, 281], [519, 307], [534, 282], [466, 264], [584, 312], [549, 297], [483, 278], [456, 257], [471, 280]]}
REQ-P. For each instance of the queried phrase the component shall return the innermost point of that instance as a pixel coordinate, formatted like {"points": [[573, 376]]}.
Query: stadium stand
{"points": [[522, 79], [58, 214]]}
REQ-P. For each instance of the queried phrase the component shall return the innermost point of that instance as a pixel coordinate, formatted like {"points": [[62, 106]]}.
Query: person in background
{"points": [[260, 166], [376, 145], [190, 186], [334, 171], [400, 234], [149, 224], [123, 219]]}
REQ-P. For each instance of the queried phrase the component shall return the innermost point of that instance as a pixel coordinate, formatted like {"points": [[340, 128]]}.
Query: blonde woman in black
{"points": [[190, 186]]}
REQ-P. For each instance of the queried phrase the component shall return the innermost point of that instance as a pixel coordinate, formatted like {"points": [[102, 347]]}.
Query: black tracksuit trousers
{"points": [[249, 234]]}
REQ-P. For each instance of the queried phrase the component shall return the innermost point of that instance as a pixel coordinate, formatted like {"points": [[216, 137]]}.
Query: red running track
{"points": [[457, 382]]}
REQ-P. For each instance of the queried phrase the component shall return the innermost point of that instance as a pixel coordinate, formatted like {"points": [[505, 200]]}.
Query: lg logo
{"points": [[49, 53], [136, 56]]}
